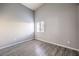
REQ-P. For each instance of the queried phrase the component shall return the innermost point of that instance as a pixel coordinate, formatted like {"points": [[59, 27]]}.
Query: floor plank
{"points": [[37, 48]]}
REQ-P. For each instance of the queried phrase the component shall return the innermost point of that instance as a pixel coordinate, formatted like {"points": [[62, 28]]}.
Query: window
{"points": [[40, 26]]}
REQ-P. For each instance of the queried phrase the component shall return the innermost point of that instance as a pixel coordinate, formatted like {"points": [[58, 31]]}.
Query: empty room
{"points": [[39, 29]]}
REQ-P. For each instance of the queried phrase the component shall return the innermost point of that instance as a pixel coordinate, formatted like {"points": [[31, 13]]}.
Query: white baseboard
{"points": [[60, 45], [9, 45]]}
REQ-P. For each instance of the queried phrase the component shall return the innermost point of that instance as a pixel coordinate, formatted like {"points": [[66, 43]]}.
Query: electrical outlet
{"points": [[68, 42]]}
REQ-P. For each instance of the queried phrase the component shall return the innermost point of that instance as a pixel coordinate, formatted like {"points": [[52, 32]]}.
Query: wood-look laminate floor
{"points": [[37, 48]]}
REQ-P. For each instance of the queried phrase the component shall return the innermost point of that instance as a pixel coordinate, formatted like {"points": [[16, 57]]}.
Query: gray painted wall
{"points": [[60, 24], [16, 24]]}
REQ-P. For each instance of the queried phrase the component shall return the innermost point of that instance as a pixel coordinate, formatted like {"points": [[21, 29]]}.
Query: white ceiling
{"points": [[33, 6]]}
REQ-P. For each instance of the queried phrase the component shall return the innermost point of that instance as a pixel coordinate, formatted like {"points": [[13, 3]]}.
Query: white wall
{"points": [[60, 24], [78, 26], [16, 24]]}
